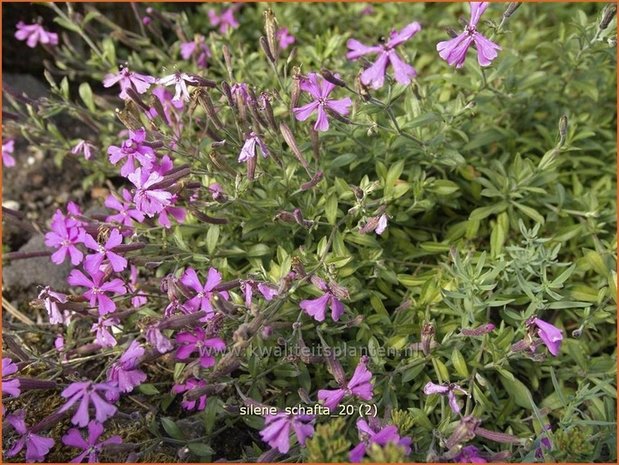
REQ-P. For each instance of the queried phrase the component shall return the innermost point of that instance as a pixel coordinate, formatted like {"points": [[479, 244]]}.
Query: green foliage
{"points": [[328, 445]]}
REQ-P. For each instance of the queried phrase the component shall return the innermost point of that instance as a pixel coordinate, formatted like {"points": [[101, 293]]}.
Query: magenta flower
{"points": [[102, 329], [276, 431], [377, 435], [196, 47], [83, 147], [138, 299], [445, 389], [65, 234], [358, 386], [248, 287], [86, 393], [170, 107], [125, 373], [375, 75], [126, 214], [8, 147], [148, 200], [216, 192], [198, 404], [178, 213], [9, 386], [90, 446], [202, 300], [155, 338], [550, 335], [51, 300], [378, 224], [198, 341], [34, 34], [252, 142], [180, 81], [454, 51], [132, 149], [93, 262], [317, 308], [225, 21], [37, 447], [98, 288], [320, 89], [469, 454], [240, 91], [285, 38], [128, 80]]}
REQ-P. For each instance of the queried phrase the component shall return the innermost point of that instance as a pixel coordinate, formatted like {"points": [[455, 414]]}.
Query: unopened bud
{"points": [[607, 15], [228, 61], [290, 140], [511, 9], [312, 182], [266, 49], [332, 78], [270, 29], [563, 129], [480, 331]]}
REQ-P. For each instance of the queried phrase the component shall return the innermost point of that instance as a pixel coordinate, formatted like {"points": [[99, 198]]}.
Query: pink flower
{"points": [[358, 386], [276, 431], [377, 435], [216, 192], [103, 334], [98, 288], [285, 38], [65, 234], [8, 147], [225, 21], [83, 147], [86, 393], [249, 286], [253, 142], [445, 389], [155, 338], [180, 81], [90, 446], [198, 341], [37, 447], [132, 149], [320, 89], [139, 299], [454, 51], [125, 372], [170, 107], [148, 200], [93, 262], [198, 404], [126, 214], [34, 34], [317, 308], [375, 74], [51, 300], [128, 80], [202, 300], [196, 47], [378, 224], [469, 454], [550, 335], [178, 213], [9, 387]]}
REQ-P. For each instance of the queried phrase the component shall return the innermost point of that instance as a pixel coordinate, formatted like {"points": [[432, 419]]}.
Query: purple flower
{"points": [[550, 335], [378, 224], [240, 91], [198, 341], [249, 286], [170, 107], [93, 262], [34, 34], [103, 328], [149, 201], [253, 142], [126, 214], [97, 289], [377, 435], [202, 300], [132, 149], [469, 454], [544, 444], [90, 446], [276, 431], [65, 234], [9, 387], [375, 74], [358, 386], [8, 147], [83, 147], [128, 80], [320, 89], [284, 37], [225, 21], [454, 51], [51, 299], [37, 447], [198, 404], [86, 393], [178, 213], [180, 81], [125, 372], [216, 192], [445, 389], [138, 299], [317, 308], [196, 47]]}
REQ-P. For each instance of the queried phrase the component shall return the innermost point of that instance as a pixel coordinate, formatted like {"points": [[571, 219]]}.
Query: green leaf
{"points": [[172, 428], [200, 449], [148, 389], [517, 391], [331, 208], [483, 212], [212, 236], [86, 94]]}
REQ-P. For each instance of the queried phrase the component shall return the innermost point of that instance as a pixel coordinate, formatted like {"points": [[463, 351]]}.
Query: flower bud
{"points": [[267, 50], [607, 15], [290, 140], [563, 129], [511, 9], [312, 182], [332, 78], [228, 61], [270, 29]]}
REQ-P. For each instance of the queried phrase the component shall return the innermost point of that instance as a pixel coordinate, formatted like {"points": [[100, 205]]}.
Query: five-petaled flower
{"points": [[317, 308], [198, 404], [358, 386], [126, 213], [375, 434], [35, 34], [320, 89], [180, 81], [9, 386], [204, 293], [253, 142], [84, 147], [445, 389], [198, 47], [454, 51], [149, 200], [93, 262], [90, 446], [8, 147], [65, 234], [276, 431], [87, 392], [125, 372], [103, 331], [199, 341], [128, 80], [225, 20], [285, 38], [98, 288], [132, 149], [375, 75], [550, 335], [37, 447]]}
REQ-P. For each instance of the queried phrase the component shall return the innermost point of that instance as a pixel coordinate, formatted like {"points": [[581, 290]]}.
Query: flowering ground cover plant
{"points": [[318, 233]]}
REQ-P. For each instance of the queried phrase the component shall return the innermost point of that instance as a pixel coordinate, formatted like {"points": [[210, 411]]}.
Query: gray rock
{"points": [[24, 84]]}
